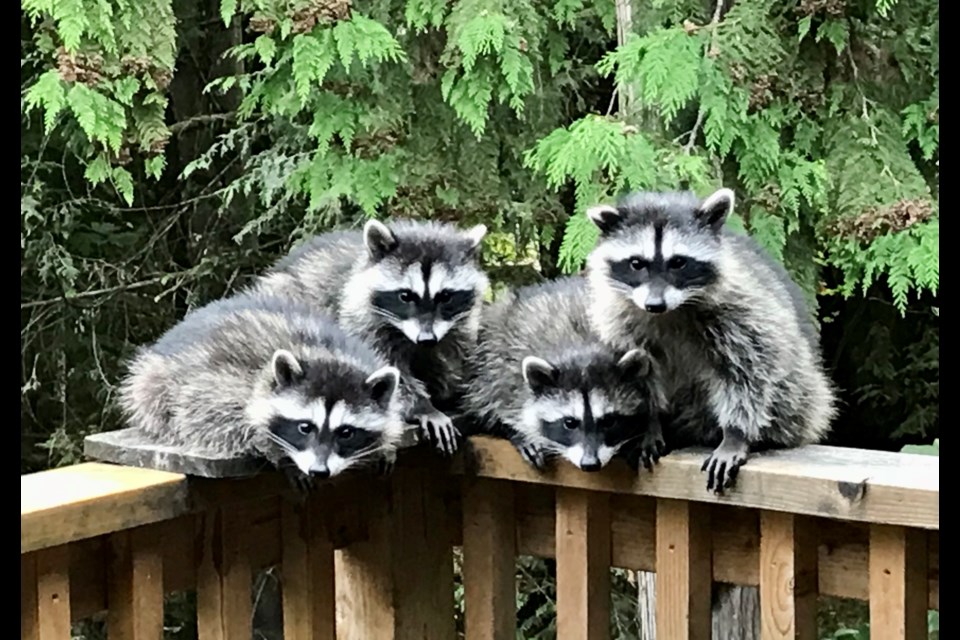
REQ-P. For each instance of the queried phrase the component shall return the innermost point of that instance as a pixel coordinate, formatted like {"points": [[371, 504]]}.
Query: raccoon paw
{"points": [[386, 464], [533, 455], [722, 467], [438, 428], [301, 483], [651, 448]]}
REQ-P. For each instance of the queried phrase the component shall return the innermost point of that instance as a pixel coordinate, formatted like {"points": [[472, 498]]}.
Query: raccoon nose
{"points": [[590, 465], [320, 472], [656, 306]]}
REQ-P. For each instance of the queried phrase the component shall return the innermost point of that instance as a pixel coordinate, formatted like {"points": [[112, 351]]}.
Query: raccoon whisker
{"points": [[280, 442]]}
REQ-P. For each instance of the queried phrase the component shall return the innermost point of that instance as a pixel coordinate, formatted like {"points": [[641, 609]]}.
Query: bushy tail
{"points": [[146, 394]]}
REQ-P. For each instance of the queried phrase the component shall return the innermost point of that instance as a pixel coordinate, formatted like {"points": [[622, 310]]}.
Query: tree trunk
{"points": [[736, 610]]}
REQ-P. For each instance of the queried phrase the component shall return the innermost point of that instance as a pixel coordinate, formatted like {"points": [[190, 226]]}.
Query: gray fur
{"points": [[571, 375], [742, 353], [349, 274], [212, 383]]}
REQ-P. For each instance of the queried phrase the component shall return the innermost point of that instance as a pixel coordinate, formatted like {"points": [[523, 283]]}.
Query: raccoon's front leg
{"points": [[723, 465]]}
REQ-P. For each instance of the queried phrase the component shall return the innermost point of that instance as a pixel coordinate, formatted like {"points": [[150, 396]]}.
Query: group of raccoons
{"points": [[680, 332]]}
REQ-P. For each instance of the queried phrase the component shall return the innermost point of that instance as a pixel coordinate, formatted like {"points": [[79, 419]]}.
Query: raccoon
{"points": [[743, 365], [263, 375], [541, 379], [412, 290]]}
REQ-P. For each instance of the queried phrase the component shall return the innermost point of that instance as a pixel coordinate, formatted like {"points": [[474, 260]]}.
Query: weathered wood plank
{"points": [[86, 500], [847, 484], [29, 622], [898, 589], [135, 591], [407, 536], [53, 593], [489, 568], [309, 598], [683, 570], [583, 564], [224, 577], [788, 577]]}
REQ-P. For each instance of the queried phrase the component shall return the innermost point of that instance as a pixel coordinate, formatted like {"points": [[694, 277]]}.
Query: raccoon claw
{"points": [[438, 429], [651, 448], [722, 467], [387, 464], [533, 455], [300, 483]]}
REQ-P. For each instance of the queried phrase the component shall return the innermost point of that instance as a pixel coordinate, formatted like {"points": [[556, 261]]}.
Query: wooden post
{"points": [[135, 589], [224, 607], [788, 577], [52, 586], [489, 560], [684, 574], [308, 585], [583, 564], [898, 583], [398, 584]]}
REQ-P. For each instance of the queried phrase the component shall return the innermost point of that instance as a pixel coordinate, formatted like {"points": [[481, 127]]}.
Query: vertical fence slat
{"points": [[489, 560], [135, 589], [788, 577], [29, 622], [308, 583], [898, 583], [53, 593], [398, 584], [684, 572], [224, 607], [583, 564]]}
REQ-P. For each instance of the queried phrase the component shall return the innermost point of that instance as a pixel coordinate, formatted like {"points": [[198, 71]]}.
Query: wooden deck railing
{"points": [[370, 558]]}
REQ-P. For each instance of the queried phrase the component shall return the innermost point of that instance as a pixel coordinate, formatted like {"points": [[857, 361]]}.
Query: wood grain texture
{"points": [[309, 597], [898, 588], [489, 567], [135, 589], [53, 593], [832, 482], [224, 577], [683, 570], [29, 620], [788, 577], [85, 500], [583, 564], [398, 582]]}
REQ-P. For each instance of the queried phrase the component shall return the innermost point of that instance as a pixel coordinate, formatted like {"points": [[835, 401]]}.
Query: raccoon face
{"points": [[324, 425], [660, 250], [586, 423], [425, 281]]}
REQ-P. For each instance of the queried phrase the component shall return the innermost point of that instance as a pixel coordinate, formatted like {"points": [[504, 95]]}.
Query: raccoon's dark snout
{"points": [[322, 473], [656, 306], [591, 465]]}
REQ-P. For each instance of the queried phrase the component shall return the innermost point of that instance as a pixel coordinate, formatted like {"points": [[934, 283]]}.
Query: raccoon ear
{"points": [[286, 368], [635, 363], [715, 209], [538, 374], [476, 235], [382, 384], [606, 217], [379, 239]]}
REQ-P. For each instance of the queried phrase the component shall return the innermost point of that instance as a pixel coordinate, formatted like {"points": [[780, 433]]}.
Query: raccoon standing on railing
{"points": [[259, 374], [743, 363], [541, 379], [412, 290]]}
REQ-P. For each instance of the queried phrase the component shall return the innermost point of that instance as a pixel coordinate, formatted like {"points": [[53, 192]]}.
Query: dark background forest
{"points": [[171, 149]]}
